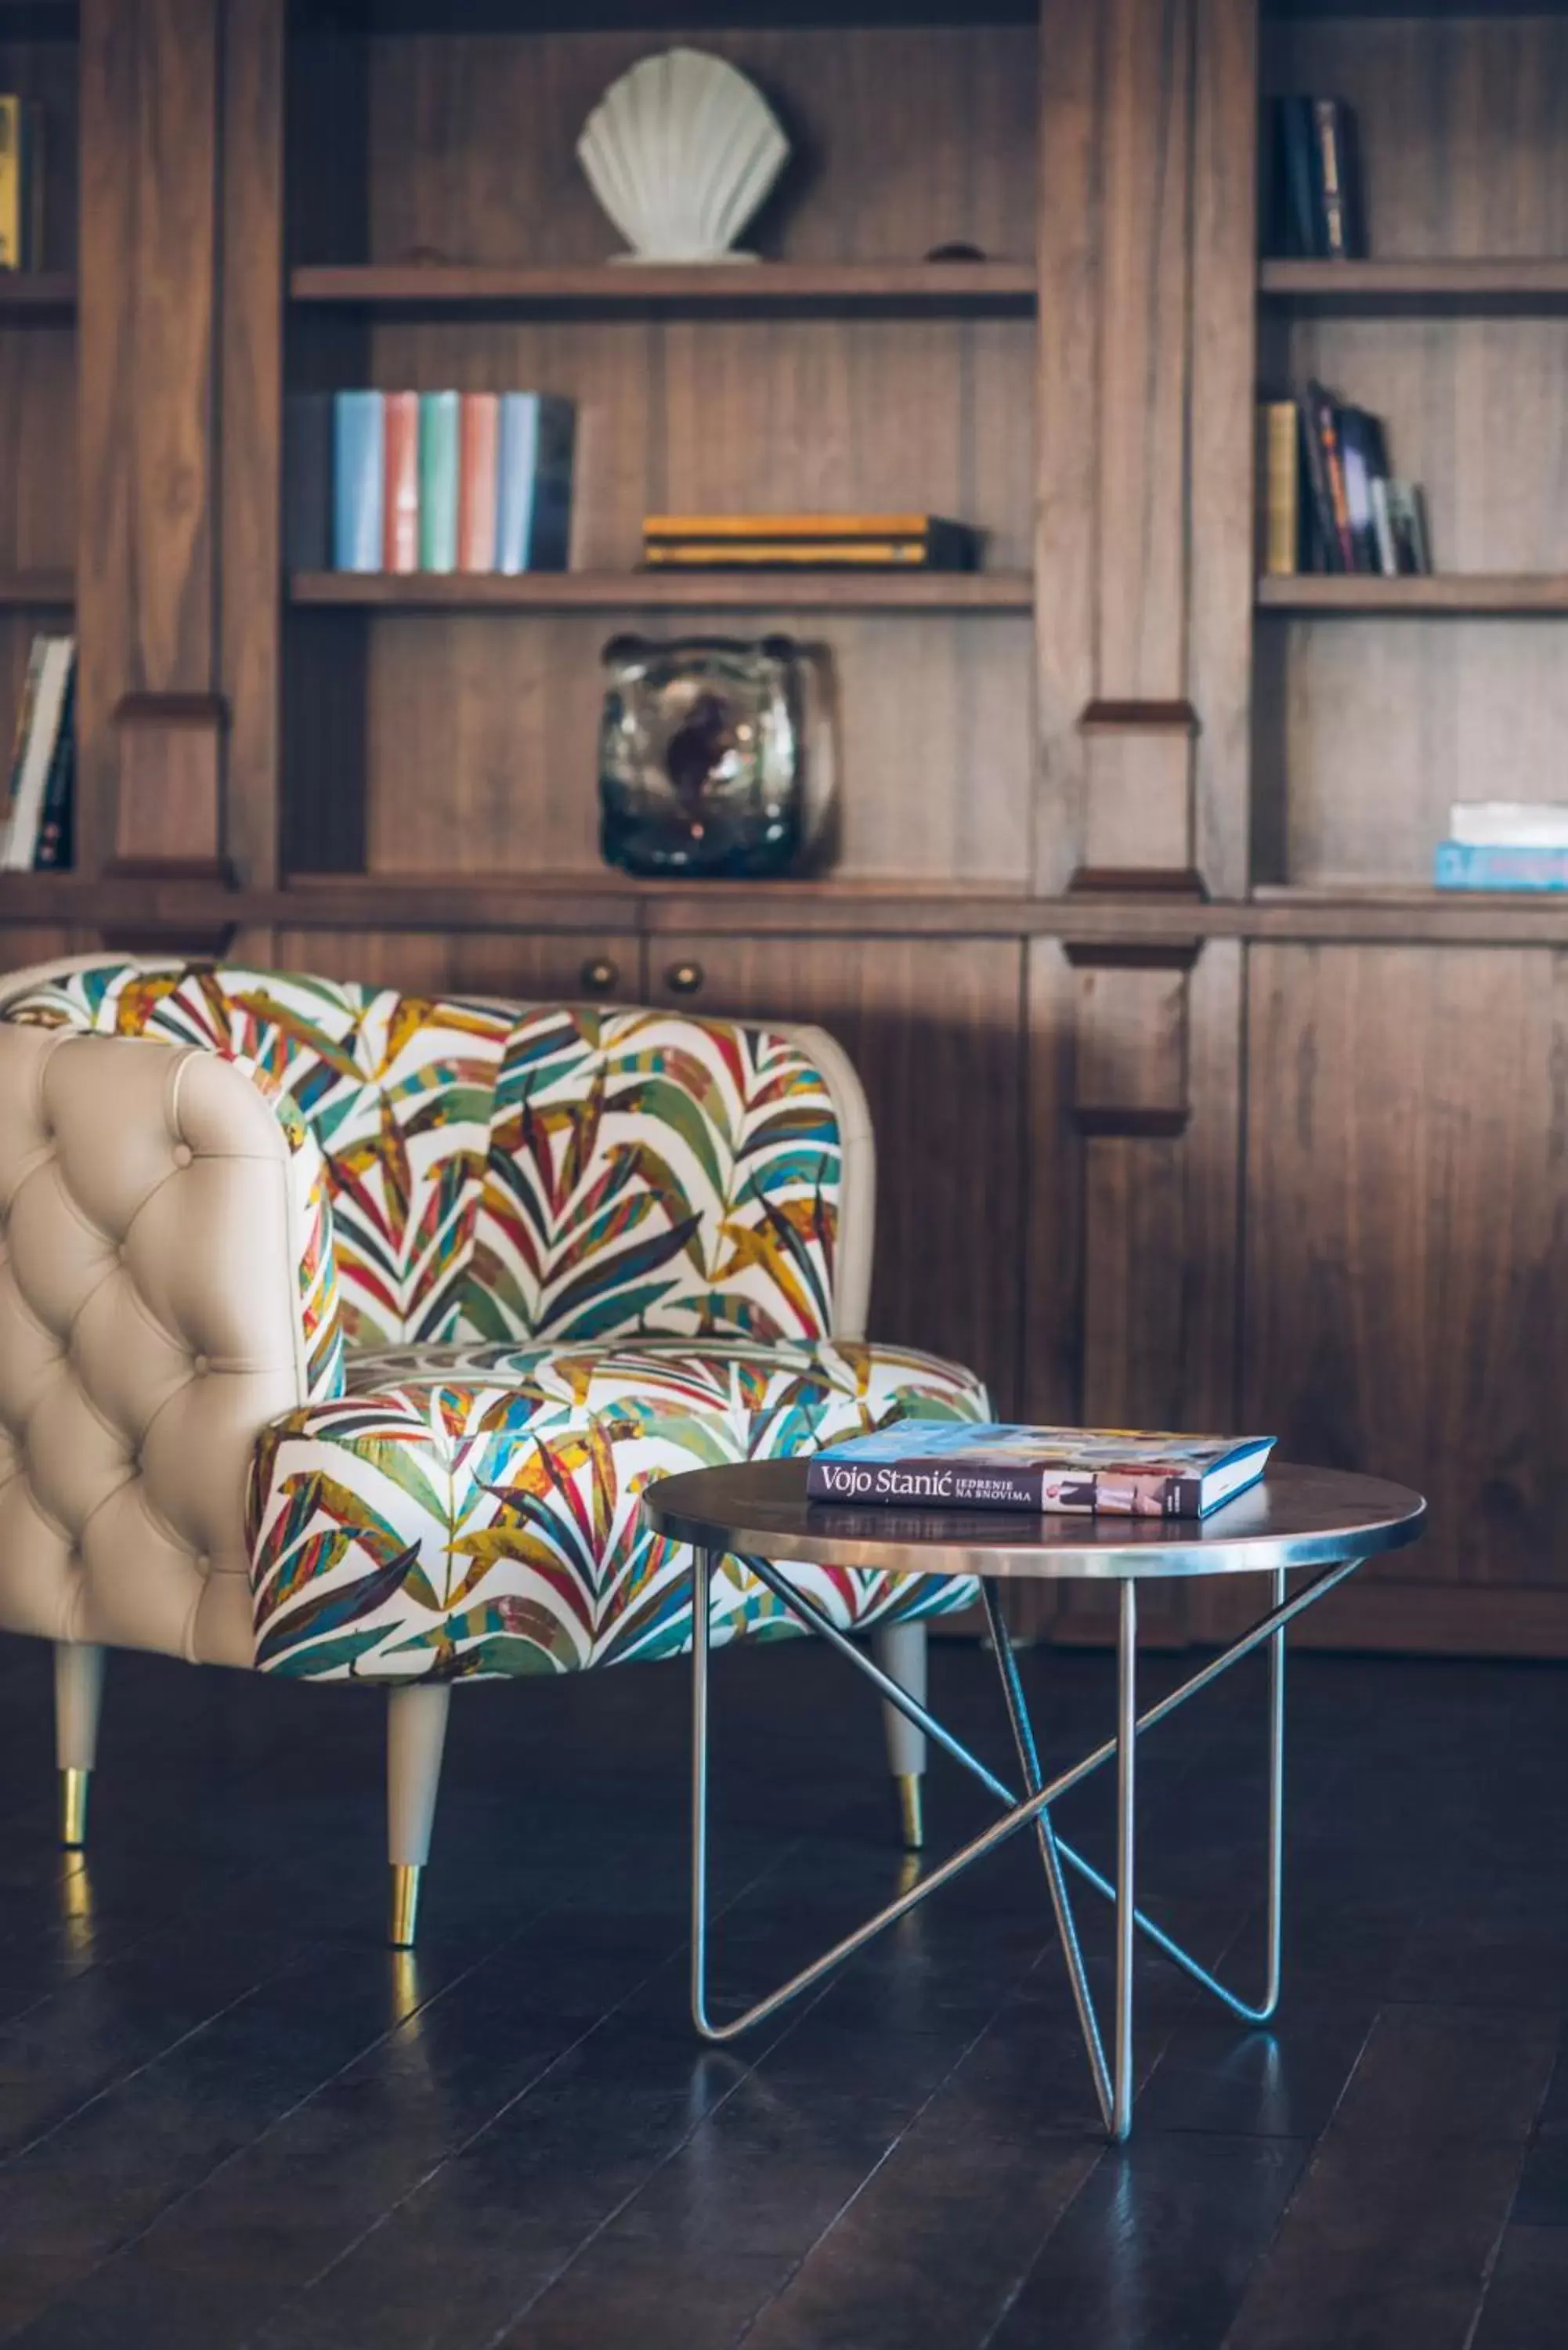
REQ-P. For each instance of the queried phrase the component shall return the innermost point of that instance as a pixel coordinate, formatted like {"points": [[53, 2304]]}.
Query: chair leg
{"points": [[79, 1694], [900, 1650], [416, 1733]]}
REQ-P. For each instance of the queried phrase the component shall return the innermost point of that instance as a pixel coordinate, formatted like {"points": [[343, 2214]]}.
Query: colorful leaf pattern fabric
{"points": [[548, 1254], [474, 1510]]}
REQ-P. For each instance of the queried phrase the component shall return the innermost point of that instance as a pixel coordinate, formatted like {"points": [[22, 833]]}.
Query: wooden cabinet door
{"points": [[1405, 1296], [933, 1027], [568, 966]]}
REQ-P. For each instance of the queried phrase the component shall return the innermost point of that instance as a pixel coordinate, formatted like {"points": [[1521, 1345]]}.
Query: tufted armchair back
{"points": [[511, 1171]]}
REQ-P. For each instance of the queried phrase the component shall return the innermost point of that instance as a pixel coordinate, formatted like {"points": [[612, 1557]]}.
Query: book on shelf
{"points": [[1327, 501], [440, 424], [358, 481], [1468, 865], [21, 183], [1314, 204], [1509, 824], [995, 1465], [399, 481], [728, 541], [476, 481], [400, 489], [53, 851], [40, 756]]}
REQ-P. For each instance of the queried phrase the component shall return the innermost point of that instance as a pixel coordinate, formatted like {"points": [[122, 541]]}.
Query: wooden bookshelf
{"points": [[1524, 287], [1463, 595], [635, 592], [981, 288], [37, 591], [37, 294]]}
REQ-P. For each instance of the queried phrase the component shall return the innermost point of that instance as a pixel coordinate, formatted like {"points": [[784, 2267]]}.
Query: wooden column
{"points": [[1146, 247], [180, 300]]}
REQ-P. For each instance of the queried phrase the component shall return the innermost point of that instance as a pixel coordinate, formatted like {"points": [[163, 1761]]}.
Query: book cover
{"points": [[477, 481], [359, 480], [1322, 537], [996, 1465], [1279, 499], [53, 852], [1359, 443], [550, 538], [13, 184], [25, 701], [1509, 824], [1335, 221], [1460, 865], [1407, 520], [1382, 531], [401, 494], [48, 708], [439, 420], [516, 471], [1299, 199], [307, 481], [1326, 426], [736, 554], [33, 186]]}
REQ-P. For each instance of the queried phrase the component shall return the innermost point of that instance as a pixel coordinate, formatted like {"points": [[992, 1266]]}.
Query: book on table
{"points": [[995, 1465]]}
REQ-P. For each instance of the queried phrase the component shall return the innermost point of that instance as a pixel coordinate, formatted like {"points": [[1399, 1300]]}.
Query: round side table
{"points": [[1314, 1523]]}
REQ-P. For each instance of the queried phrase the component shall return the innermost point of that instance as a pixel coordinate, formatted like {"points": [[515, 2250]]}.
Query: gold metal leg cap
{"points": [[73, 1808], [911, 1811], [405, 1907]]}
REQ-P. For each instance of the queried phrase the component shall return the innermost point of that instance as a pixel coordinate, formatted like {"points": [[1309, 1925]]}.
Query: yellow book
{"points": [[757, 553], [1279, 488], [12, 184], [790, 525]]}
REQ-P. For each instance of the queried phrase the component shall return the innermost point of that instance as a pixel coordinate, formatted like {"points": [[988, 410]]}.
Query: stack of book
{"points": [[1504, 845], [876, 542], [36, 823], [1326, 501], [21, 183], [428, 481], [1314, 182]]}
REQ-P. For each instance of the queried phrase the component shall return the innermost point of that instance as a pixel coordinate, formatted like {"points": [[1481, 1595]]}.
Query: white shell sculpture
{"points": [[681, 151]]}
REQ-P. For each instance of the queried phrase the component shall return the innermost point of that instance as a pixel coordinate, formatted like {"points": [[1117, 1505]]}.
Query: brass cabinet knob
{"points": [[683, 978], [599, 974]]}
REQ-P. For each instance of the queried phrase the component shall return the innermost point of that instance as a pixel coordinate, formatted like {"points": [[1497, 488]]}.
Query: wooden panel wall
{"points": [[1406, 1308], [904, 139], [1464, 128]]}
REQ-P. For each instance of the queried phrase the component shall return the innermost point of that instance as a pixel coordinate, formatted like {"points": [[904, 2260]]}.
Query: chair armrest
{"points": [[151, 1234]]}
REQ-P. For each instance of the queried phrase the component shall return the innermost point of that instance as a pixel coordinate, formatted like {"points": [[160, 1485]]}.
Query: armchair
{"points": [[341, 1329]]}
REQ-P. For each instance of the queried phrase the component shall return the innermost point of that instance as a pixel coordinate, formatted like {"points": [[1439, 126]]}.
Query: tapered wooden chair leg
{"points": [[79, 1695], [900, 1650], [416, 1734]]}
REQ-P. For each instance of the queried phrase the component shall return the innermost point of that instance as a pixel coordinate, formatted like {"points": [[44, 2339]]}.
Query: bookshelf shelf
{"points": [[1520, 288], [1461, 595], [38, 294], [37, 591], [1006, 287], [622, 591]]}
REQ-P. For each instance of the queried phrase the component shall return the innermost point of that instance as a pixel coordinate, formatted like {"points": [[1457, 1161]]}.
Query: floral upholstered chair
{"points": [[340, 1331]]}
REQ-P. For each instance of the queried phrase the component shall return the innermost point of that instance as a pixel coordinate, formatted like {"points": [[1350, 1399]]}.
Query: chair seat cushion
{"points": [[472, 1509]]}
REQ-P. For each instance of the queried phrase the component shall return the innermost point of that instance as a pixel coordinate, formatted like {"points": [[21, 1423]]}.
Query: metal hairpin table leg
{"points": [[1114, 2081]]}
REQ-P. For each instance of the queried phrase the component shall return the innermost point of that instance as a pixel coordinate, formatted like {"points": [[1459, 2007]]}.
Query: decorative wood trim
{"points": [[630, 592], [981, 288], [1144, 1125]]}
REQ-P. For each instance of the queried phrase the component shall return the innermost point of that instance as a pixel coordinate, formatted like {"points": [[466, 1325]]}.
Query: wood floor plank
{"points": [[1390, 2236]]}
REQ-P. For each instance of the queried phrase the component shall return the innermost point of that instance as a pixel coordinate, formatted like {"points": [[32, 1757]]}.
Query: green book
{"points": [[438, 480]]}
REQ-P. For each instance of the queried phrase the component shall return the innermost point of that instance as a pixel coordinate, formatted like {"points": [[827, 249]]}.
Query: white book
{"points": [[27, 800], [1509, 824], [1383, 529]]}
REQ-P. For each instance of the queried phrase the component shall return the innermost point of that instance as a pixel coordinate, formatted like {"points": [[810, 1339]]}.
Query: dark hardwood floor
{"points": [[230, 2120]]}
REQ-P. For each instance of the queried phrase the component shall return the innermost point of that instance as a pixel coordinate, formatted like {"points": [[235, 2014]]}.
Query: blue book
{"points": [[516, 459], [1463, 865], [359, 470], [534, 483]]}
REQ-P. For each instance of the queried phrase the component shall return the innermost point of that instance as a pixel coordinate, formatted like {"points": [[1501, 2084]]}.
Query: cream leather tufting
{"points": [[149, 1326]]}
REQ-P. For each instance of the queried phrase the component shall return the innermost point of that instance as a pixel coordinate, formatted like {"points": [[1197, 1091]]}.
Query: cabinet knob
{"points": [[599, 974], [683, 978]]}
